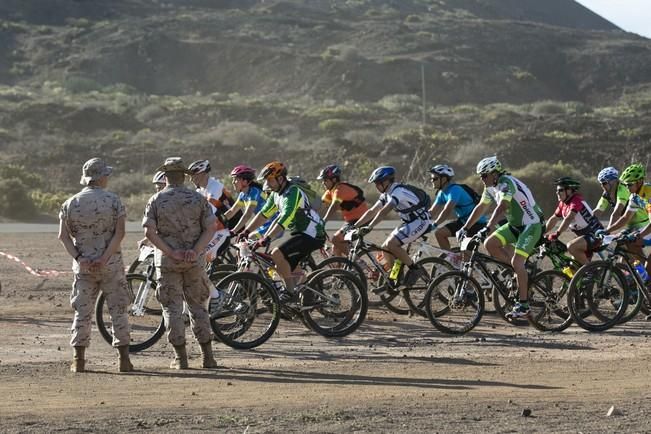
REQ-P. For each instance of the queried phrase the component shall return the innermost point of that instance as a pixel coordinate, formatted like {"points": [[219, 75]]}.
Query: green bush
{"points": [[27, 178], [334, 126], [48, 203], [79, 84], [15, 200]]}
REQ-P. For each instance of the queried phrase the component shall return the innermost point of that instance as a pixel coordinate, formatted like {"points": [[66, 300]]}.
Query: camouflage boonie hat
{"points": [[93, 170], [174, 164]]}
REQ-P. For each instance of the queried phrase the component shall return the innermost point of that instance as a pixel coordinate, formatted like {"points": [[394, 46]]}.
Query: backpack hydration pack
{"points": [[476, 197], [348, 205], [312, 197], [424, 201]]}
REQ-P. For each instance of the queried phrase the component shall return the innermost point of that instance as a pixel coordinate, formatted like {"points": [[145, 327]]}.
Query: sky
{"points": [[630, 15]]}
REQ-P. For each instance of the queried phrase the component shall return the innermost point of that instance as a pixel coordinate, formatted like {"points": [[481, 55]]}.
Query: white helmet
{"points": [[489, 165], [159, 178], [442, 170], [199, 166]]}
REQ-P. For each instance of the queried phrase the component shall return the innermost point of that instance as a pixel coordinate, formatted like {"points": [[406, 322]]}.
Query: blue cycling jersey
{"points": [[464, 203]]}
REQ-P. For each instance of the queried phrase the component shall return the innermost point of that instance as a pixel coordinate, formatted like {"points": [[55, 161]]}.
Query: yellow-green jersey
{"points": [[621, 197], [640, 203]]}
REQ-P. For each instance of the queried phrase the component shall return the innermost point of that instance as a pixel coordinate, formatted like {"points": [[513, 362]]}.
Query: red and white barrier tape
{"points": [[32, 271]]}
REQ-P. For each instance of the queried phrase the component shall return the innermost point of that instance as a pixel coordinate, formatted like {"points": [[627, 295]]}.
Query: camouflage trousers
{"points": [[187, 282], [85, 289]]}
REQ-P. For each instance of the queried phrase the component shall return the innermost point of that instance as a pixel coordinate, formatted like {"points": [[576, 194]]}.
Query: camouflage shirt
{"points": [[179, 216], [91, 217]]}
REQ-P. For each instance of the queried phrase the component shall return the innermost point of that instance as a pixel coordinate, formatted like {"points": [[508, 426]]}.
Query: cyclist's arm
{"points": [[386, 209], [646, 230], [475, 215], [567, 221], [268, 210], [444, 214], [622, 221], [498, 213], [368, 215], [617, 212], [246, 215], [551, 224], [233, 210], [332, 209]]}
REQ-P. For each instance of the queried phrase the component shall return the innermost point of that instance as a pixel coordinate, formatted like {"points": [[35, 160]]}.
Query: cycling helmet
{"points": [[633, 173], [329, 172], [382, 173], [489, 165], [159, 178], [243, 171], [442, 170], [199, 166], [607, 174], [272, 170], [568, 182]]}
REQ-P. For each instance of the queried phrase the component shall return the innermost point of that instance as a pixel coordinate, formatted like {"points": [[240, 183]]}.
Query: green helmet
{"points": [[568, 182], [634, 172]]}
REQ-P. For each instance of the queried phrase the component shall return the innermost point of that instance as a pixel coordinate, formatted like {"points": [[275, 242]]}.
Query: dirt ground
{"points": [[394, 374]]}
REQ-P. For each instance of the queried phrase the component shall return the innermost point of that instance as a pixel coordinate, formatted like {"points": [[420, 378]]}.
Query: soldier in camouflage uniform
{"points": [[92, 226], [179, 223]]}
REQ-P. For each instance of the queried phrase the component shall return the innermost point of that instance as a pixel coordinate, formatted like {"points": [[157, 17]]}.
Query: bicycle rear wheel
{"points": [[339, 262], [250, 313], [415, 294], [146, 321], [450, 316], [334, 303], [548, 301], [601, 287]]}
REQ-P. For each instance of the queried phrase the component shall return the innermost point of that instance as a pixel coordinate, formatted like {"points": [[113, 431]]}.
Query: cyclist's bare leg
{"points": [[577, 248], [339, 245], [442, 235], [282, 267], [497, 250], [521, 276], [395, 247]]}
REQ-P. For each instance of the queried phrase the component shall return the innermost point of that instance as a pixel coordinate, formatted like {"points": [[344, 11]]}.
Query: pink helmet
{"points": [[243, 171]]}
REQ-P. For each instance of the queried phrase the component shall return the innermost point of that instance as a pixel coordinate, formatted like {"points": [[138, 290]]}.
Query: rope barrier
{"points": [[34, 271]]}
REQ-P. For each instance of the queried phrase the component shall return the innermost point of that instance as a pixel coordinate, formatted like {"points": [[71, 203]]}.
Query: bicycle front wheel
{"points": [[334, 302], [250, 313], [145, 316], [454, 303], [601, 287], [548, 301]]}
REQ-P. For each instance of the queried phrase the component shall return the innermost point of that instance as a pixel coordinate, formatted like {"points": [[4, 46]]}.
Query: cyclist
{"points": [[412, 205], [577, 216], [296, 215], [343, 196], [522, 230], [615, 194], [638, 208], [250, 199], [451, 197]]}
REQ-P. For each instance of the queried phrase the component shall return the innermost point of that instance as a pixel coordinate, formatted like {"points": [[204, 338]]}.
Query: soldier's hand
{"points": [[178, 255], [190, 256], [84, 263]]}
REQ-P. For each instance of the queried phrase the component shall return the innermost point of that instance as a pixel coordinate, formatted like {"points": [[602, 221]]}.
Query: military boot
{"points": [[124, 362], [208, 359], [78, 361], [181, 359]]}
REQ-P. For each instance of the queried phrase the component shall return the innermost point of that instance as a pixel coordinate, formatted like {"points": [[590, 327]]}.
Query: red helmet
{"points": [[243, 171]]}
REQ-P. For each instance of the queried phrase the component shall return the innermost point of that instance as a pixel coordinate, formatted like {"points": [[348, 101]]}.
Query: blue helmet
{"points": [[607, 174], [381, 173]]}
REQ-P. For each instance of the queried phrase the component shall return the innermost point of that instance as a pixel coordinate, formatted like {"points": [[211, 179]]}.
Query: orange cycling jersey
{"points": [[223, 204], [349, 199]]}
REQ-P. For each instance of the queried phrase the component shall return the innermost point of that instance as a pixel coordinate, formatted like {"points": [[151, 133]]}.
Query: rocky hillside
{"points": [[314, 81]]}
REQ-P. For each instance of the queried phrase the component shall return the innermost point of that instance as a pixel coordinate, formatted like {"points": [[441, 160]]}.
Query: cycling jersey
{"points": [[294, 211], [621, 196], [343, 194], [463, 202], [584, 222], [254, 198], [213, 192], [523, 210], [640, 202], [402, 200]]}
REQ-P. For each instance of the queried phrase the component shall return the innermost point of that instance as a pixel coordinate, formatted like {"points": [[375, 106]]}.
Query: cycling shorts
{"points": [[523, 238], [411, 231], [298, 247], [454, 227]]}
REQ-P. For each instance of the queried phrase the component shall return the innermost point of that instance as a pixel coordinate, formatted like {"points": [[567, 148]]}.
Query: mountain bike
{"points": [[331, 302], [608, 287], [364, 259]]}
